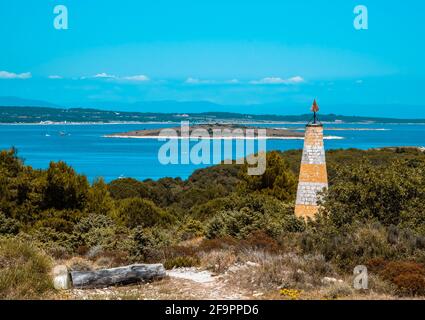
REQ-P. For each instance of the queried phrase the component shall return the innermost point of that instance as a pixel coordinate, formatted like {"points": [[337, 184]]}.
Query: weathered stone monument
{"points": [[313, 175]]}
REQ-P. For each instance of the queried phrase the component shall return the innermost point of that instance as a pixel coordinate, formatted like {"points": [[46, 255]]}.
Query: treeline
{"points": [[373, 212], [37, 114]]}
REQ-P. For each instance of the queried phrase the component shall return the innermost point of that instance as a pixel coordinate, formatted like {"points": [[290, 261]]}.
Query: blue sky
{"points": [[227, 52]]}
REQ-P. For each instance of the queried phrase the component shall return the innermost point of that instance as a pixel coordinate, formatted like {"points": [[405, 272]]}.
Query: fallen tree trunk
{"points": [[117, 276]]}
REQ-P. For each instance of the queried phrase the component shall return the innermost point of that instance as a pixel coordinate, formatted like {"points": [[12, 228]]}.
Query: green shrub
{"points": [[8, 225], [347, 247], [191, 229], [148, 243], [179, 262], [65, 189], [127, 188], [24, 271], [99, 200], [246, 214], [389, 193], [277, 181], [135, 212], [102, 231]]}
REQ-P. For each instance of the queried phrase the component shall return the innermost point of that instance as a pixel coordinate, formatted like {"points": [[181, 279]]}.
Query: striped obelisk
{"points": [[313, 175]]}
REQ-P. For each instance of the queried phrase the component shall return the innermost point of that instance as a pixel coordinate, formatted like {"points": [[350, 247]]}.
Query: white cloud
{"points": [[277, 80], [104, 75], [140, 77], [11, 75], [206, 81], [268, 80], [296, 79], [194, 81], [55, 77]]}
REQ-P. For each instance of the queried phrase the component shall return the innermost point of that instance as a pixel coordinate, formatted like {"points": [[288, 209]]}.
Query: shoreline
{"points": [[48, 123], [215, 138]]}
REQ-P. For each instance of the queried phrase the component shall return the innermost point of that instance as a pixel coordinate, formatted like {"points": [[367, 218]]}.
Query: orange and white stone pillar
{"points": [[313, 174]]}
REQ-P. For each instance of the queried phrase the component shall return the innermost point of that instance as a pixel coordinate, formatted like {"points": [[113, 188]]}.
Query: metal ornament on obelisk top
{"points": [[313, 175]]}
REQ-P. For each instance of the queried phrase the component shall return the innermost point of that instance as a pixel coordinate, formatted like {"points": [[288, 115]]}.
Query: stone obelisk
{"points": [[313, 175]]}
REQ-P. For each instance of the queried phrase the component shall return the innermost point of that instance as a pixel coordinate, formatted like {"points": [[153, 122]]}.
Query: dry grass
{"points": [[338, 290], [218, 261], [24, 271], [80, 264]]}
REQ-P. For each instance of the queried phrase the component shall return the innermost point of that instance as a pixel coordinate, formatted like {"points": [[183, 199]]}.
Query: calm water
{"points": [[89, 153]]}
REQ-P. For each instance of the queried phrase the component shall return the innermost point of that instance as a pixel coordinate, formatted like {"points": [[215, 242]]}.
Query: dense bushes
{"points": [[277, 180], [373, 211], [135, 212], [64, 188], [391, 194], [243, 215]]}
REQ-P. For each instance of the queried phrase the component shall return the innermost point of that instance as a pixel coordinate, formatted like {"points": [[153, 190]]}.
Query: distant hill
{"points": [[44, 114], [20, 102]]}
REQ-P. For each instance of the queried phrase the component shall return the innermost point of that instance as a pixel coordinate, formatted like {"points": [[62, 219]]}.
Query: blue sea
{"points": [[85, 148]]}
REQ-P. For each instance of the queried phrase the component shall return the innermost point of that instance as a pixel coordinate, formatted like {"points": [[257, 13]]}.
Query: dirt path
{"points": [[181, 283]]}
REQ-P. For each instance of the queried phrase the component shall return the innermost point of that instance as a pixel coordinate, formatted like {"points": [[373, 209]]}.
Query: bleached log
{"points": [[61, 278], [117, 276]]}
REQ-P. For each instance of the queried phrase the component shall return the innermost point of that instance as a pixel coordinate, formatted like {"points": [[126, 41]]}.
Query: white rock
{"points": [[328, 280], [61, 278]]}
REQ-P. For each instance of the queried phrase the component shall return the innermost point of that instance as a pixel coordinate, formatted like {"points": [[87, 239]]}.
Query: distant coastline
{"points": [[56, 123], [81, 116], [214, 132], [218, 138]]}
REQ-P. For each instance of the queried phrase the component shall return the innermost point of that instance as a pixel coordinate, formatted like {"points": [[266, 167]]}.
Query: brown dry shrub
{"points": [[271, 273], [411, 284], [338, 290], [394, 269], [376, 264], [259, 240], [80, 264], [381, 286], [409, 277], [117, 258], [218, 260], [178, 251], [217, 244], [82, 250]]}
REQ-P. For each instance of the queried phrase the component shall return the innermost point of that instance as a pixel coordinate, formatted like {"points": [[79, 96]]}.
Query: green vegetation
{"points": [[37, 114], [373, 214]]}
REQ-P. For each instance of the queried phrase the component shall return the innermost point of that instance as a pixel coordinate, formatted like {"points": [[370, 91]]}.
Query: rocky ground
{"points": [[181, 283], [197, 284]]}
